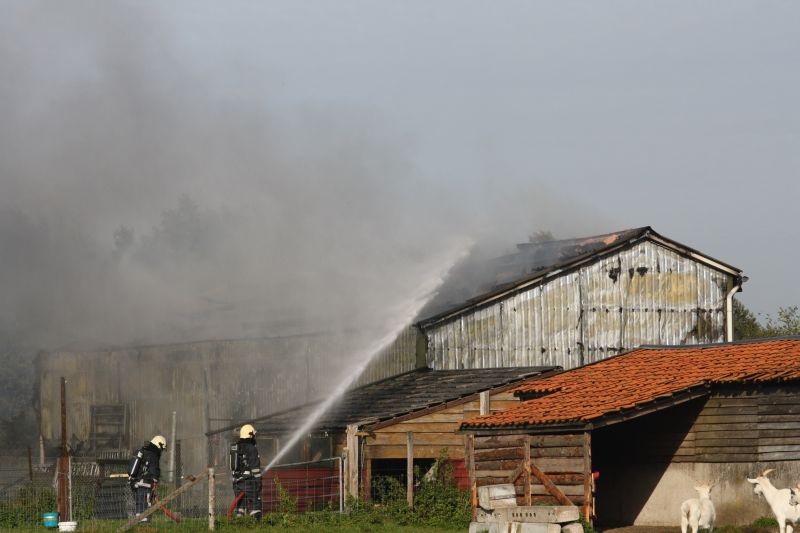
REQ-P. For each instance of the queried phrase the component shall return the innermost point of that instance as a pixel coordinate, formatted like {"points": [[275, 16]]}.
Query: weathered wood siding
{"points": [[433, 431], [731, 426], [562, 458]]}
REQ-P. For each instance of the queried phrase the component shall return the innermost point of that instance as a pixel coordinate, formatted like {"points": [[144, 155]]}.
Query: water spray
{"points": [[406, 311]]}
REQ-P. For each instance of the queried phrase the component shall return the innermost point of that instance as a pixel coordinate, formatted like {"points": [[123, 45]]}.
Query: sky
{"points": [[333, 146], [679, 115]]}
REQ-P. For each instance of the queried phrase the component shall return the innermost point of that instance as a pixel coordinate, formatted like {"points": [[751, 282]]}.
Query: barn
{"points": [[571, 302], [372, 424], [561, 303], [649, 425]]}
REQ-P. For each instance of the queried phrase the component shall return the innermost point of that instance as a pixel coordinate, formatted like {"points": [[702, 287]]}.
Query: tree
{"points": [[746, 326], [745, 323]]}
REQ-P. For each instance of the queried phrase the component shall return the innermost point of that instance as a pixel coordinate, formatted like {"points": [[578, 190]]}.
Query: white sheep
{"points": [[779, 501], [699, 513]]}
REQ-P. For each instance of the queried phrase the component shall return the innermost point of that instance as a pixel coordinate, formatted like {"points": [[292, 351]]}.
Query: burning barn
{"points": [[572, 302], [649, 424], [560, 303]]}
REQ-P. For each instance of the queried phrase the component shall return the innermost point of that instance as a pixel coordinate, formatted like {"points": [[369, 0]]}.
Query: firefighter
{"points": [[246, 473], [144, 473]]}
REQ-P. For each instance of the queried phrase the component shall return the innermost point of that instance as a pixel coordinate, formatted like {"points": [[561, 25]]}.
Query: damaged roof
{"points": [[641, 377], [473, 285], [396, 396]]}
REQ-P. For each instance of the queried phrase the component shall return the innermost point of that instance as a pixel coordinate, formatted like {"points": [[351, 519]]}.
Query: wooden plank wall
{"points": [[433, 431], [733, 425], [560, 457]]}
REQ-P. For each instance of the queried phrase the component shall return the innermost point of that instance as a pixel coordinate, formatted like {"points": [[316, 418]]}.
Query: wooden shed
{"points": [[648, 425], [371, 424]]}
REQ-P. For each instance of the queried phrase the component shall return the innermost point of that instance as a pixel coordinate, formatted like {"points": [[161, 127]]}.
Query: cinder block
{"points": [[574, 527]]}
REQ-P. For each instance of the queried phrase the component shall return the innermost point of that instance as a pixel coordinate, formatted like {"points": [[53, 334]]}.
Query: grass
{"points": [[198, 525]]}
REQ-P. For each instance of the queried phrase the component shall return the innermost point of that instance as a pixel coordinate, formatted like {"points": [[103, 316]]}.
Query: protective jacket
{"points": [[245, 461], [145, 468]]}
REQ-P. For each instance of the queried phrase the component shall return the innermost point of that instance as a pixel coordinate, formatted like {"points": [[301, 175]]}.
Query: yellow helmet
{"points": [[160, 442], [247, 431]]}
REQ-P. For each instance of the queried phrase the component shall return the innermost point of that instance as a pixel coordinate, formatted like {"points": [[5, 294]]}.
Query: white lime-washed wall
{"points": [[646, 294]]}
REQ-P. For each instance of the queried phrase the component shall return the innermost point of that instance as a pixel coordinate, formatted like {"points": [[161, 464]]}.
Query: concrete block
{"points": [[497, 496], [477, 527], [554, 514], [574, 527], [517, 527]]}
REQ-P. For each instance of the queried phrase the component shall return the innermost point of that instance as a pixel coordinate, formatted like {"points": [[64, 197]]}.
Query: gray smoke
{"points": [[153, 193]]}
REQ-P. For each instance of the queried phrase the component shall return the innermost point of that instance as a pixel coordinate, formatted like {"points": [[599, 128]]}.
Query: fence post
{"points": [[410, 469], [212, 499], [341, 485], [30, 464], [172, 477]]}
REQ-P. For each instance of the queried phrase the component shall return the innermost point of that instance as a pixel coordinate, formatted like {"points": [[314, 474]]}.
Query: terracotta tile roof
{"points": [[644, 375]]}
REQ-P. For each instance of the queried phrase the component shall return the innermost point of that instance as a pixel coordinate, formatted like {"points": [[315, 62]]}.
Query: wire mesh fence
{"points": [[303, 487], [96, 494]]}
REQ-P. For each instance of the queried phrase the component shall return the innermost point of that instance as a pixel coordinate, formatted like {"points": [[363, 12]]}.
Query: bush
{"points": [[27, 506]]}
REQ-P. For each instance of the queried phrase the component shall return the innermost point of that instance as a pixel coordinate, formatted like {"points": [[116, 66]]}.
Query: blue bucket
{"points": [[50, 520]]}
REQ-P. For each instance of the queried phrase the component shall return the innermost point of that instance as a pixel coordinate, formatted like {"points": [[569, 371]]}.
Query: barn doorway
{"points": [[631, 458]]}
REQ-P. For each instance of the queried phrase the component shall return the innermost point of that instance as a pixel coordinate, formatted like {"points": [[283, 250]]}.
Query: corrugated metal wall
{"points": [[646, 294], [210, 384]]}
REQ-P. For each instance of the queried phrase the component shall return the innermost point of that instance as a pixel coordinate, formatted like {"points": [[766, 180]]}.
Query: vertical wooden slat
{"points": [[410, 469], [526, 464], [587, 476], [473, 482]]}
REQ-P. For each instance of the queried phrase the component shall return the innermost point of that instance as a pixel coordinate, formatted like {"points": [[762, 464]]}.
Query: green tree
{"points": [[746, 326], [745, 323]]}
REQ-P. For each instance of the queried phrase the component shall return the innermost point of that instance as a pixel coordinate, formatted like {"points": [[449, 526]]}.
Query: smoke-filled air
{"points": [[152, 193]]}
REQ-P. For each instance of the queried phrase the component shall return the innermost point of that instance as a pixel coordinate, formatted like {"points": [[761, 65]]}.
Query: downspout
{"points": [[737, 287]]}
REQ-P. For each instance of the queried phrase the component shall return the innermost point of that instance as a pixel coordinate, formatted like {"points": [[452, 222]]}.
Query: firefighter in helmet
{"points": [[144, 473], [246, 473]]}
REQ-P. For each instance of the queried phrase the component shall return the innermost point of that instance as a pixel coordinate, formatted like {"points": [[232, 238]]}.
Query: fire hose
{"points": [[233, 505]]}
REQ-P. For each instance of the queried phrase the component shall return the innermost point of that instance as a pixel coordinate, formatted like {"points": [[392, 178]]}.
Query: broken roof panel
{"points": [[473, 284]]}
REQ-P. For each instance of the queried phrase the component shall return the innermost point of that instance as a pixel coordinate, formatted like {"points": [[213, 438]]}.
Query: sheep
{"points": [[697, 513], [779, 501]]}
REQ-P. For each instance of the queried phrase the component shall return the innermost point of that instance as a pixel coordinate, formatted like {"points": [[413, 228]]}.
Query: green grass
{"points": [[198, 525]]}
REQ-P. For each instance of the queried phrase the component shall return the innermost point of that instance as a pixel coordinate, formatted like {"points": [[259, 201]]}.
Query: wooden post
{"points": [[63, 417], [526, 464], [212, 500], [587, 476], [352, 460], [30, 463], [63, 464], [192, 481], [367, 479], [171, 478], [473, 483], [485, 403], [410, 469]]}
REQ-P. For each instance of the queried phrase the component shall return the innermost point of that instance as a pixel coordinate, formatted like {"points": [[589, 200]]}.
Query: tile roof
{"points": [[396, 396], [645, 375]]}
